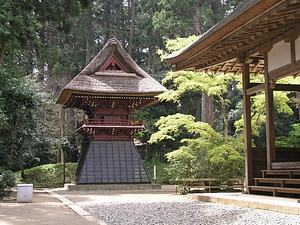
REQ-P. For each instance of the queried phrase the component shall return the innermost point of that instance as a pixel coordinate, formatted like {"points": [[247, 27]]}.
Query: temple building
{"points": [[258, 37], [108, 90]]}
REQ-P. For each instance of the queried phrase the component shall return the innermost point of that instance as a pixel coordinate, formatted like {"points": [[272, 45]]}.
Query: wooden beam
{"points": [[292, 35], [247, 128], [286, 70], [268, 44], [287, 87], [293, 52], [291, 2], [254, 88], [270, 124]]}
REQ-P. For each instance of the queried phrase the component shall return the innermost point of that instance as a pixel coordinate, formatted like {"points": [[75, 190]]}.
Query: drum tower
{"points": [[108, 90]]}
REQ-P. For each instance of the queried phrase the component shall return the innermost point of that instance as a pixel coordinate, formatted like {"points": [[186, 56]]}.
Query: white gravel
{"points": [[170, 209], [181, 213]]}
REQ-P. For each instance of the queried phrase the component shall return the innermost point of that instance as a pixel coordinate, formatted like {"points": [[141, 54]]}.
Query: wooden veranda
{"points": [[259, 37]]}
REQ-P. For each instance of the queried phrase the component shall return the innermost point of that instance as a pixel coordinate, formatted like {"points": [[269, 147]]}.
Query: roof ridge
{"points": [[106, 75], [108, 51]]}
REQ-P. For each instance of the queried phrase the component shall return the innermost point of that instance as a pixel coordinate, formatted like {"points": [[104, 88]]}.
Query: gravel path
{"points": [[169, 209], [173, 213]]}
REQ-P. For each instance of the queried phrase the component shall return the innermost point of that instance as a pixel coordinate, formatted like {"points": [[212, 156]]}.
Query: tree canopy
{"points": [[197, 126]]}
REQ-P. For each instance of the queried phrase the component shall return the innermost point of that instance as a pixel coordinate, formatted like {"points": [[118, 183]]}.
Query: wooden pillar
{"points": [[62, 121], [247, 128], [270, 123]]}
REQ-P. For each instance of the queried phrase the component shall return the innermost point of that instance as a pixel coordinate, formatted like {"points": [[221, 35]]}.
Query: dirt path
{"points": [[45, 209]]}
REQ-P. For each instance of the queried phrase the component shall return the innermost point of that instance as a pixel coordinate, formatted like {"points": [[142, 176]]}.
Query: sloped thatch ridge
{"points": [[113, 47], [134, 81]]}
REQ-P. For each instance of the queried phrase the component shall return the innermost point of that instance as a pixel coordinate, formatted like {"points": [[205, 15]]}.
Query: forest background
{"points": [[197, 127]]}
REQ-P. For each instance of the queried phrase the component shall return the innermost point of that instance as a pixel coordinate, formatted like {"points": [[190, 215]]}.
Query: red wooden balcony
{"points": [[101, 123]]}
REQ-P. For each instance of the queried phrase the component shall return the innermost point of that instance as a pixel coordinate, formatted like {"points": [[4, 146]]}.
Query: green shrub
{"points": [[162, 172], [7, 182], [49, 175]]}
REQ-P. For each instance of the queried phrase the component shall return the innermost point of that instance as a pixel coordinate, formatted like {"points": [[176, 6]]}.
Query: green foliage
{"points": [[48, 176], [185, 88], [228, 158], [174, 128], [183, 81], [200, 158], [152, 113], [19, 107], [60, 12], [175, 18], [171, 127], [51, 175], [282, 103], [20, 21], [182, 161], [292, 139], [214, 11], [202, 152], [17, 23], [173, 45], [7, 182], [166, 20], [26, 57], [162, 171], [55, 39], [180, 83]]}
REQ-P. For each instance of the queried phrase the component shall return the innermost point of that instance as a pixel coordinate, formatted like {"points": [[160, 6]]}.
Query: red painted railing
{"points": [[102, 122]]}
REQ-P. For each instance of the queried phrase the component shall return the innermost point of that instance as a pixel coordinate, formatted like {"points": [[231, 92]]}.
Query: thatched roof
{"points": [[111, 73]]}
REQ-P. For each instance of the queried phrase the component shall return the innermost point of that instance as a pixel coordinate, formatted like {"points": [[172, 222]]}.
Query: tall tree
{"points": [[206, 14], [18, 109], [22, 38], [131, 10]]}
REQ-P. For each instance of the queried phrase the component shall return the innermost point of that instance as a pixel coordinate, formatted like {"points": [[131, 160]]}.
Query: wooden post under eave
{"points": [[247, 128], [62, 121], [270, 124]]}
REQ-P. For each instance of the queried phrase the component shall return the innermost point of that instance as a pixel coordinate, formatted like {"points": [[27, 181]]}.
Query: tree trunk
{"points": [[207, 102], [22, 171], [3, 46], [88, 46], [132, 25], [186, 106], [117, 28], [198, 108], [215, 7], [222, 106], [107, 12], [152, 57], [197, 17], [87, 53], [207, 109]]}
